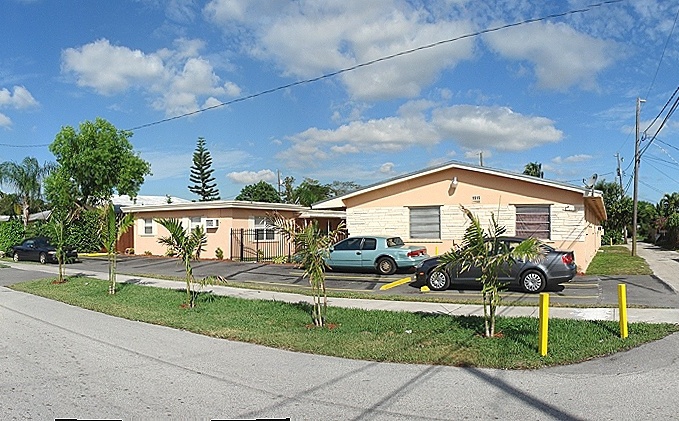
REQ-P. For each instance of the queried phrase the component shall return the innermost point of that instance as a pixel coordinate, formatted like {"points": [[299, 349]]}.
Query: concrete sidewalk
{"points": [[663, 263], [651, 315]]}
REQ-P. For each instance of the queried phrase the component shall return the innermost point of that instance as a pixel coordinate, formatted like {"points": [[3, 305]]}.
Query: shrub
{"points": [[219, 253], [11, 233]]}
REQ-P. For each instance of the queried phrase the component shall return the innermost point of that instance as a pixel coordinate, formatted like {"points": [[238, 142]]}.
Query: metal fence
{"points": [[259, 245]]}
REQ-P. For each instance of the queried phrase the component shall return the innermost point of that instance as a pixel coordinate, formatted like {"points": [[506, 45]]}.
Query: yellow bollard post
{"points": [[544, 323], [622, 306], [436, 251]]}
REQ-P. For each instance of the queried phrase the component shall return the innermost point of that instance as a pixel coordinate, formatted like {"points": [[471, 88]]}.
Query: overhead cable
{"points": [[378, 60]]}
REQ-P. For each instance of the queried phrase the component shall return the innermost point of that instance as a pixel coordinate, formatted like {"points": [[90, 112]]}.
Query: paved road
{"points": [[62, 361], [583, 290]]}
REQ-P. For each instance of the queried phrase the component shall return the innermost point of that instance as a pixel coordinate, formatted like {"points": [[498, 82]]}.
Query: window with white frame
{"points": [[425, 222], [533, 221], [148, 226], [194, 222], [263, 231]]}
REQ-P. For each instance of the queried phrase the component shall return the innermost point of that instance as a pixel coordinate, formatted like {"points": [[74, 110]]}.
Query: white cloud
{"points": [[473, 128], [498, 128], [346, 33], [174, 79], [252, 177], [5, 121], [19, 99], [572, 159], [110, 69], [168, 164], [387, 168], [561, 56]]}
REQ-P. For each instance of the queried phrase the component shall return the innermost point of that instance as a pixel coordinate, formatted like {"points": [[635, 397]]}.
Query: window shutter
{"points": [[425, 222]]}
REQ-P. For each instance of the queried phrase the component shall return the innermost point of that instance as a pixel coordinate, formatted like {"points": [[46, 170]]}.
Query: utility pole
{"points": [[637, 160], [481, 158], [622, 196], [279, 182]]}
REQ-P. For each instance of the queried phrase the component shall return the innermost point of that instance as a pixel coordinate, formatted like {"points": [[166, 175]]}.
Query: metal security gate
{"points": [[259, 245]]}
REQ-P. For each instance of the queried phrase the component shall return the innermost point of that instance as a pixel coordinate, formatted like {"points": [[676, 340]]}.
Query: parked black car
{"points": [[556, 268], [39, 250]]}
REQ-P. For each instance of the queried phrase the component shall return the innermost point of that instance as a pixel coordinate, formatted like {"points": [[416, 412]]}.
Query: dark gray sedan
{"points": [[39, 250], [556, 268]]}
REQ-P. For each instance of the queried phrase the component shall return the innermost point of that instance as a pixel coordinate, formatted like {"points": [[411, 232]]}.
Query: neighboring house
{"points": [[424, 208], [39, 216], [236, 227]]}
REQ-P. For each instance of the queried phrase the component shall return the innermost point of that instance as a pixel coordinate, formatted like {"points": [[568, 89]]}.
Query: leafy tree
{"points": [[646, 217], [9, 204], [483, 250], [618, 211], [289, 189], [259, 192], [339, 188], [97, 160], [113, 226], [311, 191], [26, 179], [201, 174], [534, 169], [668, 204], [312, 247], [668, 219], [187, 245]]}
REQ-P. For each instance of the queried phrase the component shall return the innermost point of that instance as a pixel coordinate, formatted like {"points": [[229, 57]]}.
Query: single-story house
{"points": [[423, 208], [237, 228]]}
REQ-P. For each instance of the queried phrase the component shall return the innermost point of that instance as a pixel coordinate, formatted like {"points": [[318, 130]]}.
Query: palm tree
{"points": [[534, 169], [112, 228], [312, 246], [26, 179], [484, 250], [187, 245], [58, 223]]}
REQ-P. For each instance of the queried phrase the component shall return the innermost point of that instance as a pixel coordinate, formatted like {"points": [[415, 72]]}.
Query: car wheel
{"points": [[16, 256], [438, 280], [532, 281], [386, 266], [43, 258]]}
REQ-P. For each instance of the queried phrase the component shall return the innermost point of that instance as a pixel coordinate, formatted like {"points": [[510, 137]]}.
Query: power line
{"points": [[669, 36], [657, 69], [378, 60], [652, 187], [24, 146], [667, 116]]}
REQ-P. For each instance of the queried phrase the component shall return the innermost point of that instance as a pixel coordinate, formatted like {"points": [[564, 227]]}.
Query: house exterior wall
{"points": [[386, 211], [220, 237]]}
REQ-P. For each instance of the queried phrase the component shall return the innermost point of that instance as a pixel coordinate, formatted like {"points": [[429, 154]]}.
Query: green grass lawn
{"points": [[617, 260], [352, 333]]}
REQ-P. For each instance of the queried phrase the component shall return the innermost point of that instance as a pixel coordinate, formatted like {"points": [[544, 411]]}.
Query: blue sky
{"points": [[560, 91]]}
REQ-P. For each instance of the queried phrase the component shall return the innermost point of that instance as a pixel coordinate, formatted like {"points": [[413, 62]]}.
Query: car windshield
{"points": [[394, 242], [42, 243]]}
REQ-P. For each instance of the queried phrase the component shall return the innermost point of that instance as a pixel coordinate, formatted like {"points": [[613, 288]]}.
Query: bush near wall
{"points": [[11, 233], [83, 233]]}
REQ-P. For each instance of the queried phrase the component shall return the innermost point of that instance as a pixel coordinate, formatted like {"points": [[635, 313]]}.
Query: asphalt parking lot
{"points": [[648, 291]]}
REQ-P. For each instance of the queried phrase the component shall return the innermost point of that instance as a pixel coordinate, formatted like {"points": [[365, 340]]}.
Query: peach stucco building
{"points": [[424, 208], [222, 221]]}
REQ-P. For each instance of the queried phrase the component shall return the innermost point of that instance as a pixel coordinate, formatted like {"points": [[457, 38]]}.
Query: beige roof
{"points": [[338, 202], [215, 204]]}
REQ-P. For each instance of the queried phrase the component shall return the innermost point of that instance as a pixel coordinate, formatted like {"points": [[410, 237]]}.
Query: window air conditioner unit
{"points": [[211, 223]]}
